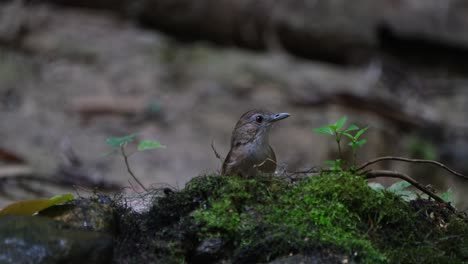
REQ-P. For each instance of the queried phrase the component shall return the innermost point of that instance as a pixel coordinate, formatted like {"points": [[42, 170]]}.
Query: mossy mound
{"points": [[329, 218]]}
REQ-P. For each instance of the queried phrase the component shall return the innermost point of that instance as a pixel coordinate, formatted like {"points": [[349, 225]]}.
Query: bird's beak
{"points": [[279, 116]]}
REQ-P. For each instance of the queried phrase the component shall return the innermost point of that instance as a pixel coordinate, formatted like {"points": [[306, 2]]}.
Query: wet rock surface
{"points": [[310, 259], [209, 250], [86, 214], [31, 239]]}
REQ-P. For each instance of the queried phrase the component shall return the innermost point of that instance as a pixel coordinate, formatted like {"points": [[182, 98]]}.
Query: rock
{"points": [[303, 259], [209, 250], [33, 239], [87, 214]]}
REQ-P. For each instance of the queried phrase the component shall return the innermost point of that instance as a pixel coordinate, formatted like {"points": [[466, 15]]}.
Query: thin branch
{"points": [[263, 163], [33, 178], [291, 175], [122, 148], [216, 152], [132, 187], [15, 170], [310, 170], [433, 162], [393, 174]]}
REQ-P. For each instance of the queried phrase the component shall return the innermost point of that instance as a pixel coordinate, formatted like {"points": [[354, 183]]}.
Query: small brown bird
{"points": [[250, 151]]}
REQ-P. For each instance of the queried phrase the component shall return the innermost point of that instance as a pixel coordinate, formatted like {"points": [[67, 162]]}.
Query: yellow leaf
{"points": [[30, 207]]}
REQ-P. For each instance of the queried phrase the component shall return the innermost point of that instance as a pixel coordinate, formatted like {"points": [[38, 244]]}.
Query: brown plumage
{"points": [[250, 151]]}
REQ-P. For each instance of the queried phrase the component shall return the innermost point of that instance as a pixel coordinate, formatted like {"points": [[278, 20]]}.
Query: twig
{"points": [[20, 180], [292, 175], [305, 171], [433, 162], [393, 174], [15, 170], [216, 152], [122, 148], [132, 187], [263, 163]]}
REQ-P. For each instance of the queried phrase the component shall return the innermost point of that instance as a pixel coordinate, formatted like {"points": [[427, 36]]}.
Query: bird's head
{"points": [[255, 125]]}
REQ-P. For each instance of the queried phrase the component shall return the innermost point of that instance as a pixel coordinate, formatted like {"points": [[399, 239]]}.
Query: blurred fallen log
{"points": [[15, 170], [8, 156], [89, 107], [20, 179], [341, 31], [387, 109]]}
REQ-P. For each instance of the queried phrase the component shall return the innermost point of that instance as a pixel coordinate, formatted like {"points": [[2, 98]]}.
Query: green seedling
{"points": [[119, 143], [337, 131], [335, 165]]}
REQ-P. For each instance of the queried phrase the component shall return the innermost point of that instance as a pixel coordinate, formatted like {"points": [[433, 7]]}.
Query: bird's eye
{"points": [[259, 119]]}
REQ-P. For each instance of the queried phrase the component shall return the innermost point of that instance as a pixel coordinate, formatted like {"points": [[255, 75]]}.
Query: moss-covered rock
{"points": [[337, 215], [330, 218]]}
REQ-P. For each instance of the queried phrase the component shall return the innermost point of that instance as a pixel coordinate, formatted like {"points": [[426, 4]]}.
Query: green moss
{"points": [[328, 218], [328, 209], [266, 217], [227, 209]]}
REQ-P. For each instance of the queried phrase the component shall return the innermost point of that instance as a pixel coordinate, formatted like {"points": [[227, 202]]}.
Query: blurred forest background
{"points": [[75, 72]]}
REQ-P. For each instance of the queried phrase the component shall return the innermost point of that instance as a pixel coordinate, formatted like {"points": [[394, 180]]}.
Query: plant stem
{"points": [[338, 139], [354, 157], [122, 148]]}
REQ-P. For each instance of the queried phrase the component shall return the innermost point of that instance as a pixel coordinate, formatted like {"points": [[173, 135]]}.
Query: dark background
{"points": [[73, 73]]}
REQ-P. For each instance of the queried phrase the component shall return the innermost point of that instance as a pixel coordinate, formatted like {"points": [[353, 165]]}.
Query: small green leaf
{"points": [[61, 198], [361, 142], [447, 196], [353, 145], [340, 122], [351, 128], [324, 130], [398, 186], [149, 144], [348, 135], [360, 132], [30, 207], [116, 142], [335, 165]]}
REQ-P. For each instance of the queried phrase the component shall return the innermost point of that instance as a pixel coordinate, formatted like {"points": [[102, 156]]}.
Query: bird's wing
{"points": [[232, 161], [272, 153], [269, 164]]}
